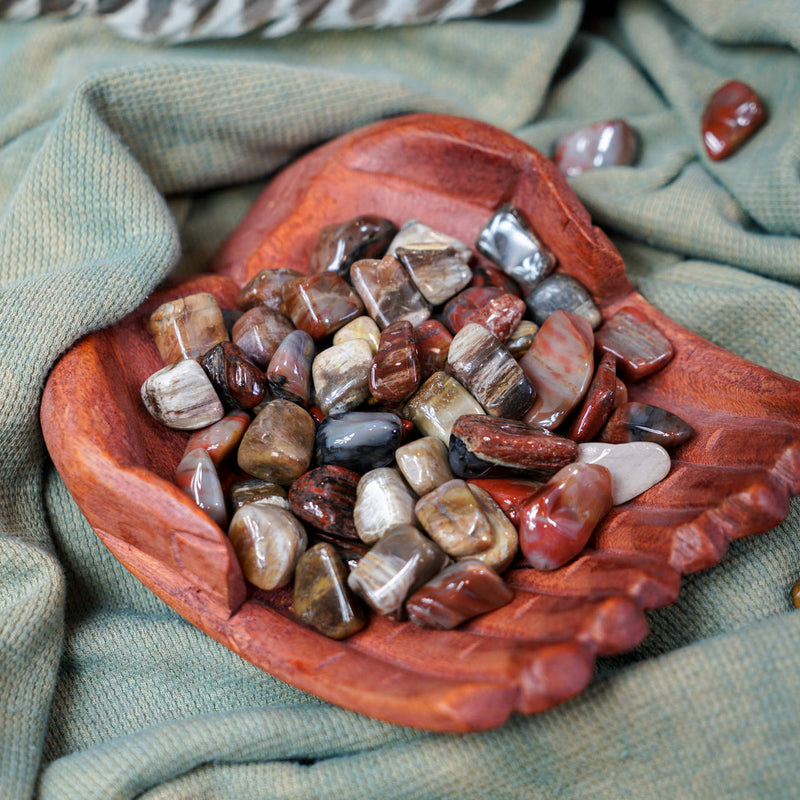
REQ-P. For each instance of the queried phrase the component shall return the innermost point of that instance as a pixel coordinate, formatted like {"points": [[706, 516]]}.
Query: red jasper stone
{"points": [[433, 344], [500, 315], [320, 304], [491, 276], [325, 497], [639, 347], [316, 413], [732, 115], [557, 521], [456, 311], [395, 371], [598, 403], [509, 493], [640, 422]]}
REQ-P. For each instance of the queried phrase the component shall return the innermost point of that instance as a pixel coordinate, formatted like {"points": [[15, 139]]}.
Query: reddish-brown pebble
{"points": [[640, 422], [433, 343], [320, 304], [734, 112], [509, 493], [500, 315], [456, 311], [491, 276], [598, 403], [237, 380], [220, 439], [395, 371], [259, 331], [325, 497], [264, 289]]}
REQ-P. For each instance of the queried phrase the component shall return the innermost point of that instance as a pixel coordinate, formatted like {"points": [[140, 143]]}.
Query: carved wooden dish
{"points": [[733, 479]]}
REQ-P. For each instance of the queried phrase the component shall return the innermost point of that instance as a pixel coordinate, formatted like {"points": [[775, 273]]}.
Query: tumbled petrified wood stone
{"points": [[559, 366], [259, 331], [358, 440], [640, 422], [639, 347], [413, 232], [505, 541], [258, 492], [734, 112], [483, 275], [456, 311], [264, 289], [510, 241], [289, 372], [278, 444], [220, 439], [436, 270], [521, 338], [268, 542], [500, 316], [325, 497], [610, 143], [360, 328], [187, 327], [453, 518], [396, 565], [510, 494], [197, 476], [382, 501], [424, 464], [557, 521], [598, 403], [239, 383], [561, 292], [181, 396], [322, 598], [395, 371], [341, 376], [438, 403], [388, 292], [485, 446], [479, 360], [459, 592], [320, 304], [433, 343], [340, 244]]}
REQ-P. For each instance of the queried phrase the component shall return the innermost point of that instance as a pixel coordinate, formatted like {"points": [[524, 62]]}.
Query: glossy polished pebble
{"points": [[479, 360], [456, 311], [505, 540], [413, 232], [239, 383], [598, 402], [436, 270], [611, 143], [620, 393], [341, 376], [181, 396], [491, 276], [564, 293], [423, 463], [510, 242], [559, 366], [521, 338], [325, 497], [500, 316], [638, 346], [387, 291], [433, 343], [187, 327], [320, 304], [458, 593], [289, 372], [279, 443], [197, 477], [558, 520], [360, 328], [396, 565], [438, 403], [259, 331], [220, 439], [634, 466], [640, 422], [484, 446], [453, 518], [264, 289], [395, 371], [382, 501], [734, 112], [268, 541], [258, 492], [322, 598], [796, 594], [359, 440], [338, 246], [510, 494]]}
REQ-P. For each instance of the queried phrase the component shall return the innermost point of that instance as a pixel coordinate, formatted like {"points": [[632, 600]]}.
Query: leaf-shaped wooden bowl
{"points": [[734, 478]]}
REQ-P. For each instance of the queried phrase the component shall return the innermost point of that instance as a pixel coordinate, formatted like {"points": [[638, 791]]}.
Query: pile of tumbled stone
{"points": [[389, 437]]}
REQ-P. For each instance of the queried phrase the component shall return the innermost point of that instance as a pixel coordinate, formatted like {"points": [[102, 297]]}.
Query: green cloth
{"points": [[121, 163]]}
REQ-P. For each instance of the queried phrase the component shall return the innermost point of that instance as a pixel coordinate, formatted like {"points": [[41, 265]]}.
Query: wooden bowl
{"points": [[733, 479]]}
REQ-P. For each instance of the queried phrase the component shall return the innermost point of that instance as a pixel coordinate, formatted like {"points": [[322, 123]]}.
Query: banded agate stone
{"points": [[505, 540], [598, 403], [187, 327], [220, 439]]}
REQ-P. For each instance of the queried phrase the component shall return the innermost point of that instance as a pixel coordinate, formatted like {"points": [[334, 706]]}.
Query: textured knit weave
{"points": [[121, 163]]}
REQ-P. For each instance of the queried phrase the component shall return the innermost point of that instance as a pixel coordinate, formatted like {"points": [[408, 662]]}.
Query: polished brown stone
{"points": [[320, 304], [433, 343], [341, 244], [197, 476], [640, 422], [254, 490], [382, 501], [237, 380], [325, 497], [455, 313], [341, 376], [395, 371], [424, 464], [220, 439], [437, 271], [638, 346], [597, 404], [259, 331], [500, 316], [289, 372], [505, 540], [360, 328], [187, 327], [734, 112], [521, 338], [264, 289]]}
